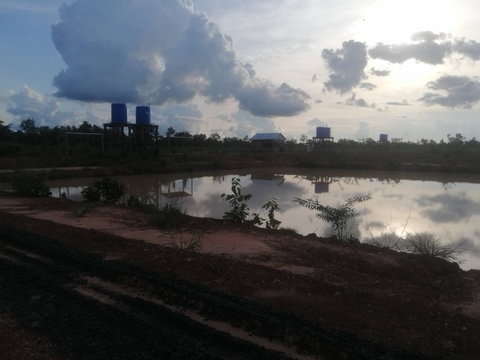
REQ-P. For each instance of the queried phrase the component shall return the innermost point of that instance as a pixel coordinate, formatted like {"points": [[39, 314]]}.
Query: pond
{"points": [[444, 205]]}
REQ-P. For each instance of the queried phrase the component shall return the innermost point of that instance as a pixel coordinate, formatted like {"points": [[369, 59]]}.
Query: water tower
{"points": [[323, 139], [130, 137]]}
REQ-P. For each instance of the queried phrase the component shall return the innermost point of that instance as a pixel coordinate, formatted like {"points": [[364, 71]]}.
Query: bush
{"points": [[272, 206], [239, 210], [170, 216], [337, 217], [30, 184], [427, 244], [191, 243], [106, 190]]}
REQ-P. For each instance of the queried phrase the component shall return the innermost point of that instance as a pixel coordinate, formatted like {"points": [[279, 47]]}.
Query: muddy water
{"points": [[447, 206]]}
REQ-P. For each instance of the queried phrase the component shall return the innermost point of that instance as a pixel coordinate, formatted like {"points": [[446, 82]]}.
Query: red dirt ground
{"points": [[397, 299]]}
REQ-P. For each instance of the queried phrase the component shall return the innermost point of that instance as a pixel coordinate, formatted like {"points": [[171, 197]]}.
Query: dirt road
{"points": [[95, 309]]}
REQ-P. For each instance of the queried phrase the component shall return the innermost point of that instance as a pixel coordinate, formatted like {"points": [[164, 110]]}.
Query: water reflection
{"points": [[445, 205]]}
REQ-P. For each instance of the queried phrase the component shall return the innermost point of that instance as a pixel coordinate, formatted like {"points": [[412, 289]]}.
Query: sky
{"points": [[408, 69]]}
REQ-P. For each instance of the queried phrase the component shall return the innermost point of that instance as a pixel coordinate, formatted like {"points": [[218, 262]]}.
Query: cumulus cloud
{"points": [[353, 101], [347, 66], [453, 91], [427, 47], [316, 122], [29, 103], [363, 131], [447, 208], [180, 117], [470, 49], [367, 86], [44, 109], [398, 103], [158, 52], [266, 100], [377, 72], [246, 124]]}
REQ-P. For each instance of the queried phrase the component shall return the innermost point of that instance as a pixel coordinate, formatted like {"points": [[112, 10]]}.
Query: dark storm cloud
{"points": [[347, 66], [158, 52], [453, 91], [428, 47], [446, 208]]}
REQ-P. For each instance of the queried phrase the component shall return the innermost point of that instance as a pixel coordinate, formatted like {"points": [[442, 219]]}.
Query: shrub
{"points": [[337, 217], [170, 216], [272, 206], [427, 244], [30, 184], [107, 190], [192, 243], [239, 210]]}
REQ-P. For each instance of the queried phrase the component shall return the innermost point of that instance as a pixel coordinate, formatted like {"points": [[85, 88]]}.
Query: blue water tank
{"points": [[321, 187], [323, 132], [142, 115], [383, 138], [119, 113]]}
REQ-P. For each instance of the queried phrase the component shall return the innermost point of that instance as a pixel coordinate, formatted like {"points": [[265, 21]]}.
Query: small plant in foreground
{"points": [[79, 210], [192, 243], [107, 190], [239, 210], [30, 184], [272, 206], [427, 244], [337, 217], [168, 217]]}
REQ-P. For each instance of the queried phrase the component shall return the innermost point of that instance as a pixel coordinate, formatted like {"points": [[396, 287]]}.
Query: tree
{"points": [[170, 132], [239, 210], [214, 137], [457, 140], [5, 131], [337, 217], [85, 127], [183, 134], [28, 126]]}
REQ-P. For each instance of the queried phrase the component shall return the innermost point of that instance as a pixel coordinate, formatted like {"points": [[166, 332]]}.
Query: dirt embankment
{"points": [[103, 283]]}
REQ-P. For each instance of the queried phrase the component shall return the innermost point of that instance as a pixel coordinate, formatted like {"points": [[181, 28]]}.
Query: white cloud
{"points": [[160, 53], [45, 109], [347, 66], [378, 72], [29, 103], [454, 91], [180, 117], [425, 48], [428, 47], [266, 100], [363, 131]]}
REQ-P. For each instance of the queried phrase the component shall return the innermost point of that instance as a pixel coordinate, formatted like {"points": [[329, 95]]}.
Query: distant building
{"points": [[268, 142]]}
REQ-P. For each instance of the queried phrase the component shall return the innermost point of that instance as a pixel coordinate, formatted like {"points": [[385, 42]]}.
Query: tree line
{"points": [[29, 137]]}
